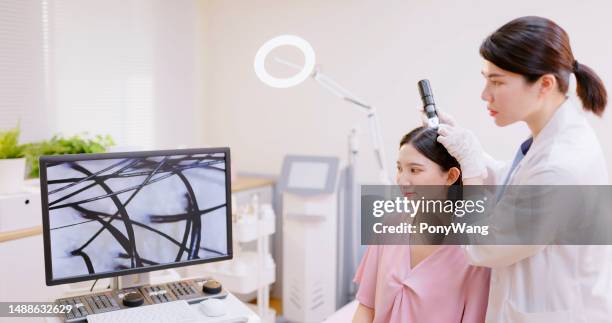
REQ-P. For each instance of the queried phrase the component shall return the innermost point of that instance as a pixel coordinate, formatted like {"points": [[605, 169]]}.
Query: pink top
{"points": [[441, 288]]}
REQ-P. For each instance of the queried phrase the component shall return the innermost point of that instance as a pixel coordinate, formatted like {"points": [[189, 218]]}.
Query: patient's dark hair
{"points": [[425, 141]]}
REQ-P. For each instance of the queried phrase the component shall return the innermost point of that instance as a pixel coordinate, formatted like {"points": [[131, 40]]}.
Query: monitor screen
{"points": [[124, 213], [311, 175]]}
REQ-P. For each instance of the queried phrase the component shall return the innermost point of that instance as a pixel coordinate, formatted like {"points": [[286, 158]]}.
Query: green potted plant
{"points": [[59, 145], [12, 161]]}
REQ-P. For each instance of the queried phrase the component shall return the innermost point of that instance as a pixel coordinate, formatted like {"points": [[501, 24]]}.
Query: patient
{"points": [[421, 283]]}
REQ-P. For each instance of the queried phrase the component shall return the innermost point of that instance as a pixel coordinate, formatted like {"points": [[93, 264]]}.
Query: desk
{"points": [[236, 312]]}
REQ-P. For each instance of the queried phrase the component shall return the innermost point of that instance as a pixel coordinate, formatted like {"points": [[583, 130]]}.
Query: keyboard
{"points": [[169, 312], [85, 305]]}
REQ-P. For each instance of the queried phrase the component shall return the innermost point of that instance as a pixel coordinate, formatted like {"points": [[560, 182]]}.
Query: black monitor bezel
{"points": [[45, 160]]}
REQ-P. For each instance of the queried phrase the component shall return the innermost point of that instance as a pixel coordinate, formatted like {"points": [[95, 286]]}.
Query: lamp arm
{"points": [[374, 125]]}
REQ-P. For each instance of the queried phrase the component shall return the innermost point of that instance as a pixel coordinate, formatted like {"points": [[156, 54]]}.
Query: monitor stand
{"points": [[129, 281]]}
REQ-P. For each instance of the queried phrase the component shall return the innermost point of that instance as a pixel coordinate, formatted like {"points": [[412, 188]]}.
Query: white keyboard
{"points": [[170, 312]]}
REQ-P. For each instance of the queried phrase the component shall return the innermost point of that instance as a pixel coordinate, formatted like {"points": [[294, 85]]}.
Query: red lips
{"points": [[492, 112]]}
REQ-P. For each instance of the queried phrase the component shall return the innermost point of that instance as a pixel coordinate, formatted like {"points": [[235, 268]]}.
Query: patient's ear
{"points": [[453, 175]]}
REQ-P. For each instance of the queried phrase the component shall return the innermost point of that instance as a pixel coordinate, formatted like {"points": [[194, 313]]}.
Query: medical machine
{"points": [[308, 188], [116, 214], [429, 106]]}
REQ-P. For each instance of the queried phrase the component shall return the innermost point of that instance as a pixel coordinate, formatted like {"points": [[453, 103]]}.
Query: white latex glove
{"points": [[444, 117], [465, 147]]}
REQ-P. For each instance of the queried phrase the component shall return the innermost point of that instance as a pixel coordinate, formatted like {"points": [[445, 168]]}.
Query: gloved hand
{"points": [[465, 147], [444, 117]]}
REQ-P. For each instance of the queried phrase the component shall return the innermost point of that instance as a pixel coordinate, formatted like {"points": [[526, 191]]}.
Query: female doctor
{"points": [[528, 62]]}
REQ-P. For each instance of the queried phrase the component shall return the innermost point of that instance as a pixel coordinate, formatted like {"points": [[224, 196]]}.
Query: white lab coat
{"points": [[551, 283]]}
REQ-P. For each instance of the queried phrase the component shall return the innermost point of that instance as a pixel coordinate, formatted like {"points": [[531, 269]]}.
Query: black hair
{"points": [[533, 46], [424, 140]]}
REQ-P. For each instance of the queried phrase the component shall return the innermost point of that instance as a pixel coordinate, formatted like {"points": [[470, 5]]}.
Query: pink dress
{"points": [[443, 288]]}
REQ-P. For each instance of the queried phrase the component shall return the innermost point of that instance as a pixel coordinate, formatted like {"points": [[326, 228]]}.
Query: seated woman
{"points": [[421, 283]]}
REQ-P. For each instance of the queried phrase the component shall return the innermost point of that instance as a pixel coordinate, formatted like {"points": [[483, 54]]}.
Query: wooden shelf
{"points": [[247, 183], [19, 234]]}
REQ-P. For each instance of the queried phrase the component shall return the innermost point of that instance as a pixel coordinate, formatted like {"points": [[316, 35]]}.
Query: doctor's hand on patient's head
{"points": [[465, 147]]}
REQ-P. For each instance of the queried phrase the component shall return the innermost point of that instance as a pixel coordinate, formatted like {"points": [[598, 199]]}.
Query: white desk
{"points": [[236, 312]]}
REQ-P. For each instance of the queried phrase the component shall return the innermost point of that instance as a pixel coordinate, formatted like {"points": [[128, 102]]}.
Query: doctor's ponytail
{"points": [[590, 89], [533, 46]]}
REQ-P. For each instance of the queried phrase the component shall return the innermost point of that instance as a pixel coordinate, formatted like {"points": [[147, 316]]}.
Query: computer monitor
{"points": [[116, 214]]}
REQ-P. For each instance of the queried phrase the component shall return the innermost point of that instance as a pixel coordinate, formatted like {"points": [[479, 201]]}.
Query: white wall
{"points": [[379, 50]]}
